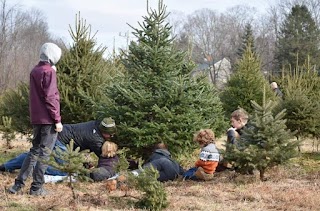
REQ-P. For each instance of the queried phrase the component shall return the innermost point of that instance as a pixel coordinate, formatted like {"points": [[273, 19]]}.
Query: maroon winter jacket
{"points": [[44, 99]]}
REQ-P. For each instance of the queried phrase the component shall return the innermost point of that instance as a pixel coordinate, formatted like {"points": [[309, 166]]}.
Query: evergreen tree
{"points": [[298, 38], [8, 133], [266, 143], [154, 195], [82, 72], [72, 164], [158, 100], [247, 39], [302, 88], [245, 84], [14, 104]]}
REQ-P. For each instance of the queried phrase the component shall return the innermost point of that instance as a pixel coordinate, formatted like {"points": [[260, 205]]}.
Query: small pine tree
{"points": [[154, 194], [15, 105], [123, 164], [266, 143], [8, 133], [72, 164]]}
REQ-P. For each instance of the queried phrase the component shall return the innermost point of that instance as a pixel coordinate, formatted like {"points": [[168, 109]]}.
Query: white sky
{"points": [[110, 17]]}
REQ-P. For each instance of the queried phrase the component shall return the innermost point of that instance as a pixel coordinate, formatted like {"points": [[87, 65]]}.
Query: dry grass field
{"points": [[295, 186]]}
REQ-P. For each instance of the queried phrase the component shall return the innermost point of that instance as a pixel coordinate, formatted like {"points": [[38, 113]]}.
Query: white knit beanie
{"points": [[50, 52]]}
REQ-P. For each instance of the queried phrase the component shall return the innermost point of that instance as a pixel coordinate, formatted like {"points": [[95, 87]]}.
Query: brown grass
{"points": [[287, 188]]}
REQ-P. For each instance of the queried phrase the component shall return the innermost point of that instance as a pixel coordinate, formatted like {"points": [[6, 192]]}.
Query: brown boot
{"points": [[200, 174], [111, 185], [122, 183]]}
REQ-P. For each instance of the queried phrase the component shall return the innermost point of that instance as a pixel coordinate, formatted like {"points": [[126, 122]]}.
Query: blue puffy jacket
{"points": [[168, 168]]}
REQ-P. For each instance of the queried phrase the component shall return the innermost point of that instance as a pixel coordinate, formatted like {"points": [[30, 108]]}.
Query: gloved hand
{"points": [[59, 127]]}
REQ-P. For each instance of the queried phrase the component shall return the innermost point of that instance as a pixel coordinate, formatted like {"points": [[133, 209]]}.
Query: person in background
{"points": [[209, 157], [44, 106], [275, 88]]}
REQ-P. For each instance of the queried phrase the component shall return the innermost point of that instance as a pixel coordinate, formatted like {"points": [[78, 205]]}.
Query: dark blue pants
{"points": [[166, 168]]}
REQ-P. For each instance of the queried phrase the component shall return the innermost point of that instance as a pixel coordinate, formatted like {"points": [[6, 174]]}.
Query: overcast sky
{"points": [[110, 17]]}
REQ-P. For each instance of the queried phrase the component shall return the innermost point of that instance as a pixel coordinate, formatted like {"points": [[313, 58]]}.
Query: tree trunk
{"points": [[262, 171]]}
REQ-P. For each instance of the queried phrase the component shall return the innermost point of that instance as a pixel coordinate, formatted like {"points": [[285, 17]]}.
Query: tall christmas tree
{"points": [[245, 84], [247, 39], [158, 100], [298, 39], [266, 143], [82, 72]]}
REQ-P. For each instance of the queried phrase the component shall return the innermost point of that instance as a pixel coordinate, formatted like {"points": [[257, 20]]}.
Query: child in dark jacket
{"points": [[107, 162], [209, 157], [161, 160], [239, 119]]}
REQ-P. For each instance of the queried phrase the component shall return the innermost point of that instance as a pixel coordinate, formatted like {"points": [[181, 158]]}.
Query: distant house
{"points": [[218, 74]]}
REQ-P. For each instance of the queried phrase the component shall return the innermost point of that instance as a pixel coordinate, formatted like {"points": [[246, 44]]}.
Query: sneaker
{"points": [[2, 168], [39, 192], [14, 189]]}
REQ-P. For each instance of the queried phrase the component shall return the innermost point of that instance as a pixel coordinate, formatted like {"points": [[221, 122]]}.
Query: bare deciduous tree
{"points": [[21, 35], [214, 36]]}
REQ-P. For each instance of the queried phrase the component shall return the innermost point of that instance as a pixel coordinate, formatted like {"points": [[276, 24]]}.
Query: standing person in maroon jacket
{"points": [[44, 106]]}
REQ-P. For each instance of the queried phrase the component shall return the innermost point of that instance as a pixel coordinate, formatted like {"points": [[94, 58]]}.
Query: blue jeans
{"points": [[189, 174], [16, 163]]}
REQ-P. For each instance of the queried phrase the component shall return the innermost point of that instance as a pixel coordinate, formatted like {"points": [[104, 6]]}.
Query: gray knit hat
{"points": [[108, 125]]}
